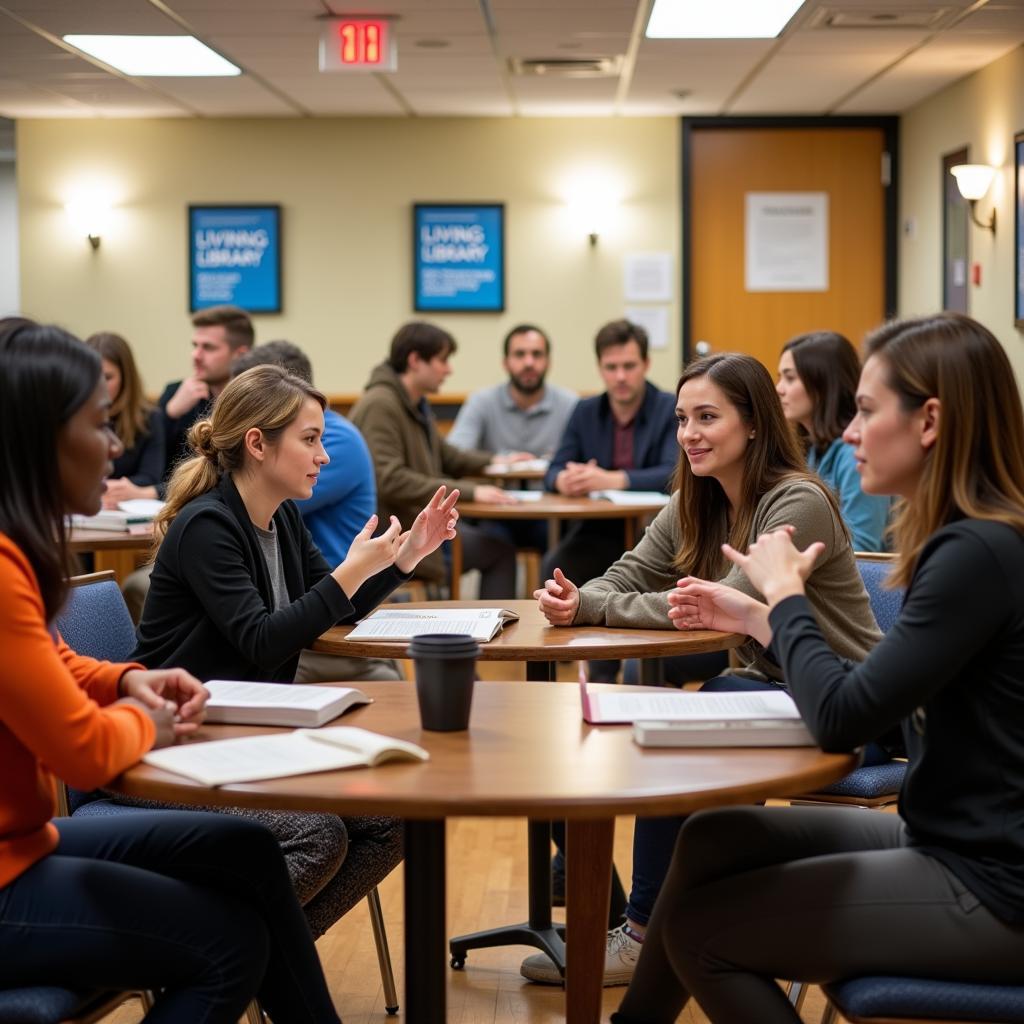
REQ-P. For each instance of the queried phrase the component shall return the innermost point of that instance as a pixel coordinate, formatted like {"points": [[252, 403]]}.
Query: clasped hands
{"points": [[173, 699], [773, 565], [578, 479]]}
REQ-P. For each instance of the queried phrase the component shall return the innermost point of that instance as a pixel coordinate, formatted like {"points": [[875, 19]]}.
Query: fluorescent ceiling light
{"points": [[157, 56], [720, 19]]}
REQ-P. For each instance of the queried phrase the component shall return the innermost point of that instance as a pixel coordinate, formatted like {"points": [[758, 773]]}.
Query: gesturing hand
{"points": [[191, 391], [368, 555], [700, 604], [171, 689], [434, 525], [558, 599], [774, 565]]}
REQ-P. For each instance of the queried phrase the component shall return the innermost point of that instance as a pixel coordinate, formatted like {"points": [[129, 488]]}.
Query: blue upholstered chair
{"points": [[885, 1000]]}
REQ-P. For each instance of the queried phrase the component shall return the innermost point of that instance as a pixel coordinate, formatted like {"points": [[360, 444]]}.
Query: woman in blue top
{"points": [[818, 375]]}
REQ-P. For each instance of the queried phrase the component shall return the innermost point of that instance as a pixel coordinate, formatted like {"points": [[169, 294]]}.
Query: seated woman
{"points": [[138, 424], [817, 383], [238, 589], [196, 906], [820, 895], [740, 473]]}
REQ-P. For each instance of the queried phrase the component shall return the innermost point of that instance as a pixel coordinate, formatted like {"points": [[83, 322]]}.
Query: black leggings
{"points": [[198, 905], [809, 894]]}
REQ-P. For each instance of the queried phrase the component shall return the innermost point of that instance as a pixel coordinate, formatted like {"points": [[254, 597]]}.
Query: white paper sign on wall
{"points": [[786, 240]]}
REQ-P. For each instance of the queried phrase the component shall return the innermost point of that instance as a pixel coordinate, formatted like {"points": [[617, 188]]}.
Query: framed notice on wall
{"points": [[459, 257], [234, 257], [786, 241], [1018, 230]]}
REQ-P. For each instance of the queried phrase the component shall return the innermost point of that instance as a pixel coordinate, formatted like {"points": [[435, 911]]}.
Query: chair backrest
{"points": [[885, 603], [95, 620]]}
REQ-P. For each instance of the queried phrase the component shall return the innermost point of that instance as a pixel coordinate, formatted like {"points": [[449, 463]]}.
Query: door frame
{"points": [[889, 125]]}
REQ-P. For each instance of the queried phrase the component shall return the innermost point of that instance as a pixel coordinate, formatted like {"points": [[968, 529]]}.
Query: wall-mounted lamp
{"points": [[90, 216], [592, 200], [973, 181]]}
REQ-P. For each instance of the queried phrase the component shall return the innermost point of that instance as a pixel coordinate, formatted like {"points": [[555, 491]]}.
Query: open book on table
{"points": [[243, 703], [677, 718], [275, 756], [386, 624]]}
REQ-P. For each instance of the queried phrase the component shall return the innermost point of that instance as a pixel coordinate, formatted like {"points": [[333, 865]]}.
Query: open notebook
{"points": [[275, 756], [387, 624], [244, 703]]}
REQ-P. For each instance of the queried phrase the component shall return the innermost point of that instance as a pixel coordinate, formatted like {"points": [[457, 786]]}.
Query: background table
{"points": [[110, 550], [527, 752], [555, 508]]}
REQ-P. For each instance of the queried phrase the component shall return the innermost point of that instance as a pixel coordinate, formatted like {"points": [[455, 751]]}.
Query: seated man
{"points": [[412, 460], [624, 439], [523, 415], [345, 496]]}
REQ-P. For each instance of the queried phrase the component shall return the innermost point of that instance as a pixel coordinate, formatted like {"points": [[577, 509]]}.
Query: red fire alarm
{"points": [[976, 274], [358, 44]]}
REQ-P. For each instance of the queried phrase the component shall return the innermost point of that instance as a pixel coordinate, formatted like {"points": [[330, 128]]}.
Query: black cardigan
{"points": [[210, 598], [951, 670], [143, 463]]}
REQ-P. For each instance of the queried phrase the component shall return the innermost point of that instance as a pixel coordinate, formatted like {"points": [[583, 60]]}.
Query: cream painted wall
{"points": [[346, 187], [983, 111]]}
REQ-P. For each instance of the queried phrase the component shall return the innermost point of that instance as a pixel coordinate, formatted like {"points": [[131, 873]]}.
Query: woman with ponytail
{"points": [[195, 906], [239, 589]]}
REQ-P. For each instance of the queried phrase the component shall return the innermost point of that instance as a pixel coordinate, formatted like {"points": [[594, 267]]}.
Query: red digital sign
{"points": [[357, 44]]}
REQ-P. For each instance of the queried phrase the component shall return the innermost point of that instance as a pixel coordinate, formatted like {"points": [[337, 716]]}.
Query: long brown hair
{"points": [[267, 397], [772, 455], [130, 410], [829, 369], [975, 469]]}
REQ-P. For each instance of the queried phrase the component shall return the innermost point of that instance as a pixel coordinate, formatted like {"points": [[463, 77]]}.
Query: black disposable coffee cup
{"points": [[445, 670]]}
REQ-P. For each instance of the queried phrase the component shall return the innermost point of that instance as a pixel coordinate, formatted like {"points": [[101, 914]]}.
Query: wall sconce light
{"points": [[90, 216], [592, 202], [973, 181]]}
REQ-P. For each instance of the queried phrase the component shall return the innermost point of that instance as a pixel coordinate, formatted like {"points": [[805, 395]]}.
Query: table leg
{"points": [[425, 976], [121, 562], [652, 672], [538, 931], [629, 533], [455, 586], [588, 890]]}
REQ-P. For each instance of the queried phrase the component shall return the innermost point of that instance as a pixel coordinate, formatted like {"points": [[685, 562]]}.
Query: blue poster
{"points": [[459, 262], [235, 257]]}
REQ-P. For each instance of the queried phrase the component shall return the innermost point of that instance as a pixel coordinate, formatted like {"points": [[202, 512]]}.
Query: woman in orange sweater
{"points": [[197, 905]]}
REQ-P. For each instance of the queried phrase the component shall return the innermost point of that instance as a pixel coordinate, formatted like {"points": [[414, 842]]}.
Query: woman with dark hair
{"points": [[740, 473], [820, 895], [138, 424], [195, 906], [817, 382]]}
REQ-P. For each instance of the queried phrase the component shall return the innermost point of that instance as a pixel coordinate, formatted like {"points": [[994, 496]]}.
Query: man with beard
{"points": [[523, 415]]}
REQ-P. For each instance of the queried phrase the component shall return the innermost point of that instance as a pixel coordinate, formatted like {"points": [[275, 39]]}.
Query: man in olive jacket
{"points": [[412, 460]]}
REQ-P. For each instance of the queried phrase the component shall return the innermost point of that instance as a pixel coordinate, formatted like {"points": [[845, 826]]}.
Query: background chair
{"points": [[95, 622]]}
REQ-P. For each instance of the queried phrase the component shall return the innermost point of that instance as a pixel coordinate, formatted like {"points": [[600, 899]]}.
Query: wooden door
{"points": [[848, 164]]}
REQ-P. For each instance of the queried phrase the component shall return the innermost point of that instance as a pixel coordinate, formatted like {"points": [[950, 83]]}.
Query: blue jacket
{"points": [[345, 495], [590, 434], [866, 515]]}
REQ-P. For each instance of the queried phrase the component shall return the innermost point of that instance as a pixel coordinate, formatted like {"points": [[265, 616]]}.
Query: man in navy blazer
{"points": [[624, 439]]}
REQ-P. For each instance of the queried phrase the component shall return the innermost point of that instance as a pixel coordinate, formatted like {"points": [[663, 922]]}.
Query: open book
{"points": [[387, 624], [241, 703], [302, 752], [655, 499]]}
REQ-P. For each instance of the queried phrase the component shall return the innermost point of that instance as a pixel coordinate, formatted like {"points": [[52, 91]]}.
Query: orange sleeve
{"points": [[49, 695]]}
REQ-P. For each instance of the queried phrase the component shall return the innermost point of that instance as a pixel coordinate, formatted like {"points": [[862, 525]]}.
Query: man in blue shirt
{"points": [[345, 496]]}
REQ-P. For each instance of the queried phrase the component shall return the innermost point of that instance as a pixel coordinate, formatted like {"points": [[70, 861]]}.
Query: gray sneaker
{"points": [[620, 956]]}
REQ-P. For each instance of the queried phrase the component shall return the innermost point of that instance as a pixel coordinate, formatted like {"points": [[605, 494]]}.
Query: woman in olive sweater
{"points": [[820, 895], [740, 473]]}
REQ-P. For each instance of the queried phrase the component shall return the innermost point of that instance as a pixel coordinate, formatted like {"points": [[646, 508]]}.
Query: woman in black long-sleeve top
{"points": [[938, 891], [239, 589], [138, 424]]}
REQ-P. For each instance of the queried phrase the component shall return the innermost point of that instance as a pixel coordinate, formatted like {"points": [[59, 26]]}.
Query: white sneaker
{"points": [[620, 956]]}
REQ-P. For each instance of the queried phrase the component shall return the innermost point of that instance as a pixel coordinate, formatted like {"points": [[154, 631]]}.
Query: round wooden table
{"points": [[555, 508], [527, 752], [118, 552]]}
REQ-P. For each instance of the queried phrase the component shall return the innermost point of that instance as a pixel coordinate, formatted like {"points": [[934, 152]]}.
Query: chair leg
{"points": [[147, 999], [380, 938], [830, 1014], [254, 1013]]}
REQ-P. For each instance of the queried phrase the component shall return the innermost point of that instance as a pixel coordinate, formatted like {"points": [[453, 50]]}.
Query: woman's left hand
{"points": [[774, 565], [170, 685], [433, 526]]}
